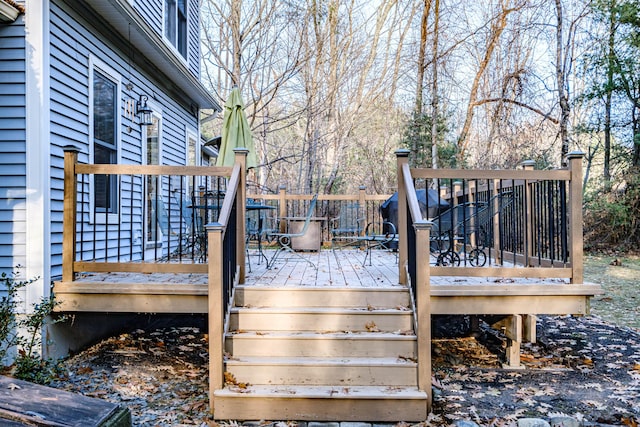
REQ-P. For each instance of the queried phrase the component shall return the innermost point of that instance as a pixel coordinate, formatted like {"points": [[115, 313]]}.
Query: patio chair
{"points": [[379, 235], [253, 232], [193, 236], [347, 227], [284, 239]]}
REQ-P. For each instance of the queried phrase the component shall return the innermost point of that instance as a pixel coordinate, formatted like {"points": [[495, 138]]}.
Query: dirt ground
{"points": [[587, 368]]}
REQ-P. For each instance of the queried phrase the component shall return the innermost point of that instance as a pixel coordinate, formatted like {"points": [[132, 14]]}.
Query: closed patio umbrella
{"points": [[235, 132]]}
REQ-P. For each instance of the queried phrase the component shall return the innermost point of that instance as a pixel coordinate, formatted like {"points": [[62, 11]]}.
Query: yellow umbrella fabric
{"points": [[235, 132]]}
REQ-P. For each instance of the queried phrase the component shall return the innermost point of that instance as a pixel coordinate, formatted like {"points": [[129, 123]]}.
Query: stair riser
{"points": [[318, 409], [291, 347], [257, 374], [269, 297], [254, 320]]}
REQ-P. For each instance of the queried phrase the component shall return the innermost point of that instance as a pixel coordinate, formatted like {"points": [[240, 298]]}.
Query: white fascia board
{"points": [[119, 14], [38, 150]]}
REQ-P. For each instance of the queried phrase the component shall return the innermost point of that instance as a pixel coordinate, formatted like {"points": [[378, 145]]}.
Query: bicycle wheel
{"points": [[448, 259], [477, 258]]}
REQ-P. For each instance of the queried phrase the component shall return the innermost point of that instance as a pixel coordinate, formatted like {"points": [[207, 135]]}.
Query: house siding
{"points": [[153, 13], [73, 41], [193, 47], [12, 140]]}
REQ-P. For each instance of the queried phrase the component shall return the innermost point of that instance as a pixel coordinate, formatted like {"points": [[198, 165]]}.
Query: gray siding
{"points": [[193, 53], [151, 11], [73, 40], [12, 141]]}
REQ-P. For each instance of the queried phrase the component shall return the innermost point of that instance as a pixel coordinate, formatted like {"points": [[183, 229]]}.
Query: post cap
{"points": [[577, 154], [528, 163], [402, 152], [70, 149]]}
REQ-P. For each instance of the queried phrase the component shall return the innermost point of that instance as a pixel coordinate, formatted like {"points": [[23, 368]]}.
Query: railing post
{"points": [[494, 183], [528, 165], [282, 204], [575, 217], [423, 307], [215, 309], [402, 157], [362, 203], [69, 212], [241, 226]]}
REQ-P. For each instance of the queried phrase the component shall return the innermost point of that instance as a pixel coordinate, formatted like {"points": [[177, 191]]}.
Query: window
{"points": [[175, 24], [193, 159], [105, 140], [156, 217]]}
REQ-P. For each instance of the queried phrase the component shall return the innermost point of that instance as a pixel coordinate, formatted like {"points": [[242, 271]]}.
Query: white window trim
{"points": [[97, 64], [184, 58]]}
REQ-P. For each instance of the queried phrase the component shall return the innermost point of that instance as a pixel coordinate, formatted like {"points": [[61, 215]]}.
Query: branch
{"points": [[519, 104]]}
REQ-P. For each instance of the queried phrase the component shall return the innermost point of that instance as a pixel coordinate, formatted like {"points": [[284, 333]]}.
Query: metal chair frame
{"points": [[284, 239]]}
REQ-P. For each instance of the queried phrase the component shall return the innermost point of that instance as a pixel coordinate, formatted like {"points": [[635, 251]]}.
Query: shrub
{"points": [[611, 217], [21, 331]]}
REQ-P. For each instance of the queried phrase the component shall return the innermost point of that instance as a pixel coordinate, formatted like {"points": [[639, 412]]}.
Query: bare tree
{"points": [[496, 27]]}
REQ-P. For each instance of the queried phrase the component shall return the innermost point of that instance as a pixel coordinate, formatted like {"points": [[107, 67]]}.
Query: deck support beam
{"points": [[511, 327]]}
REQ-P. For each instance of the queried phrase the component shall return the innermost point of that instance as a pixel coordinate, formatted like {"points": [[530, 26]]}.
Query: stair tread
{"points": [[376, 288], [302, 335], [324, 310], [320, 361], [323, 392]]}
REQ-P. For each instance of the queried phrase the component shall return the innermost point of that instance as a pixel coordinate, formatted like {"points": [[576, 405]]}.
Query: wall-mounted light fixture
{"points": [[143, 111]]}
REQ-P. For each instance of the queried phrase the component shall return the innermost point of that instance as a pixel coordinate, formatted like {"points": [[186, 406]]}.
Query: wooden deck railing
{"points": [[328, 207], [153, 224], [226, 247], [522, 223]]}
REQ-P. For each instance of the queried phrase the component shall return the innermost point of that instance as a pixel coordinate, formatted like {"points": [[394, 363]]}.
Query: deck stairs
{"points": [[321, 353]]}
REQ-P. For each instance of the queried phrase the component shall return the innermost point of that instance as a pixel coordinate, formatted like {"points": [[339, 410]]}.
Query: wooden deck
{"points": [[187, 293]]}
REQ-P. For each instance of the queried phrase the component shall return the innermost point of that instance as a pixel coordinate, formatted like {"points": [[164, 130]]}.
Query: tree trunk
{"points": [[608, 96], [497, 28], [434, 96], [560, 81]]}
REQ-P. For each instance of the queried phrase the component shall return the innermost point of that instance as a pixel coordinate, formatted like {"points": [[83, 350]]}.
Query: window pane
{"points": [[182, 28], [104, 106], [104, 140], [104, 185], [170, 20], [191, 151], [153, 139]]}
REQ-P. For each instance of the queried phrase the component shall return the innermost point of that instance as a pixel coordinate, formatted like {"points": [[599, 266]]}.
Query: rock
{"points": [[564, 421], [465, 423], [532, 422]]}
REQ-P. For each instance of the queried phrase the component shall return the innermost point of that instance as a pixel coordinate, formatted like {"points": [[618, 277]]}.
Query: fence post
{"points": [[494, 192], [402, 157], [576, 237], [69, 212], [282, 204], [215, 309], [528, 165], [423, 307], [241, 225], [362, 206]]}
